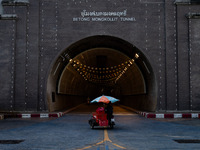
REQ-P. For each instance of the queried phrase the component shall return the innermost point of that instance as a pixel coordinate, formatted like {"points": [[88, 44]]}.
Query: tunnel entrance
{"points": [[101, 65]]}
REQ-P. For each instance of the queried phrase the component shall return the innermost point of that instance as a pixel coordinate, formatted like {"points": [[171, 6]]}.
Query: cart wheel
{"points": [[92, 126], [111, 126]]}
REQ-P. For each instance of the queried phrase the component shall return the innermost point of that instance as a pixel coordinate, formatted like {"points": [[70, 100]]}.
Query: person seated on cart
{"points": [[109, 111], [100, 110]]}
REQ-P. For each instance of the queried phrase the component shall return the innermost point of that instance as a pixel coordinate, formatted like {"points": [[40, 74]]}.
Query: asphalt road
{"points": [[72, 132]]}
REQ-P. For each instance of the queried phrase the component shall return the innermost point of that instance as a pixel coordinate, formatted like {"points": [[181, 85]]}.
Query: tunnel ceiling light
{"points": [[137, 56], [108, 75]]}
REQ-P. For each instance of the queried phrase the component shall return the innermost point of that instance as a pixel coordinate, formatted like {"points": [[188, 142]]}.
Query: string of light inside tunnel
{"points": [[102, 75]]}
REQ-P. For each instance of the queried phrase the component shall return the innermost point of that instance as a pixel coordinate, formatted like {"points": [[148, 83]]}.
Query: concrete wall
{"points": [[34, 33]]}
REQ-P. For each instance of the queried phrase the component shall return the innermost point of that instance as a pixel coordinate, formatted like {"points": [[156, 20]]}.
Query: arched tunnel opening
{"points": [[101, 65]]}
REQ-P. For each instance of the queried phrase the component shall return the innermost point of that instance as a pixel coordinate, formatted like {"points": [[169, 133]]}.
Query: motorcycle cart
{"points": [[99, 118]]}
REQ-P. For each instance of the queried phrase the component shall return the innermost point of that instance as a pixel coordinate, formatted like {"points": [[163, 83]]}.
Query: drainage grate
{"points": [[187, 141], [11, 141]]}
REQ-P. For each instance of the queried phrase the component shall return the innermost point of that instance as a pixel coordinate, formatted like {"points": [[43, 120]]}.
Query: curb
{"points": [[169, 115], [37, 115], [40, 115], [166, 115]]}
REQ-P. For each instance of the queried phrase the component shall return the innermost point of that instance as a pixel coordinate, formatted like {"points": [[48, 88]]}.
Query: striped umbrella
{"points": [[104, 99]]}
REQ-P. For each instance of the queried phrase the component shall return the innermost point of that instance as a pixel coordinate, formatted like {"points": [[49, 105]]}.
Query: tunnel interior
{"points": [[101, 65]]}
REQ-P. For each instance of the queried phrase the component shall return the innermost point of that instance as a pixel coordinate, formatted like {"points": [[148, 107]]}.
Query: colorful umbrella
{"points": [[104, 99]]}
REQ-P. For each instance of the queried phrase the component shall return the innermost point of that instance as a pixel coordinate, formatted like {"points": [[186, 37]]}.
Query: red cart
{"points": [[99, 118]]}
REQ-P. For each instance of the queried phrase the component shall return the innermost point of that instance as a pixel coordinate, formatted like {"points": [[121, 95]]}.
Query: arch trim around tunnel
{"points": [[146, 101]]}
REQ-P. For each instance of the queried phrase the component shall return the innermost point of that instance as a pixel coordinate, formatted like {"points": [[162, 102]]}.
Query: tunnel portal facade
{"points": [[102, 65], [55, 54]]}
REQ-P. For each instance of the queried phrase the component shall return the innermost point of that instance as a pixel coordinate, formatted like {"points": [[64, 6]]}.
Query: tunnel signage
{"points": [[103, 16]]}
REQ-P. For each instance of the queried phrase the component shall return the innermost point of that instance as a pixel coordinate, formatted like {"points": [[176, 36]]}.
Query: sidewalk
{"points": [[159, 115], [31, 115], [162, 115], [170, 114], [34, 114]]}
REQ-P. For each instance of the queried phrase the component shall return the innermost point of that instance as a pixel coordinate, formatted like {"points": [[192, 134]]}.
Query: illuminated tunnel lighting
{"points": [[111, 74]]}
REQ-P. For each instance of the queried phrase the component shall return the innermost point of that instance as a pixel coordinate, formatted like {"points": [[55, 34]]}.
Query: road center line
{"points": [[106, 138]]}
